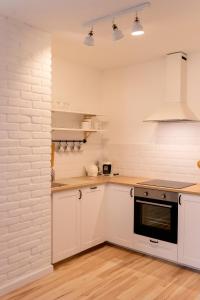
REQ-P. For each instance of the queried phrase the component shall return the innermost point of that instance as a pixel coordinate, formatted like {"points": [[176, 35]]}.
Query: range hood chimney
{"points": [[174, 108]]}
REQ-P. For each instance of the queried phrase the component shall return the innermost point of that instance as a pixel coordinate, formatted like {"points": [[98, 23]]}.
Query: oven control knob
{"points": [[163, 196], [146, 194]]}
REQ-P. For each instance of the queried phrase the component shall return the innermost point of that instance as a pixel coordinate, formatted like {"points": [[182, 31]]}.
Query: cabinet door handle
{"points": [[155, 242], [80, 195], [93, 188], [131, 192], [179, 200]]}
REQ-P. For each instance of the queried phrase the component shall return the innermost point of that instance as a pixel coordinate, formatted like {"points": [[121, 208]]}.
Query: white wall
{"points": [[167, 151], [76, 84], [81, 87], [25, 117], [130, 94]]}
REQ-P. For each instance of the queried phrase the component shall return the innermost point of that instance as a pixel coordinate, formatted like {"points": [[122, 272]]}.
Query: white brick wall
{"points": [[25, 118]]}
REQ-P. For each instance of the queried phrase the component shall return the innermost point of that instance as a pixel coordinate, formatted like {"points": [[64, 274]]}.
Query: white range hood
{"points": [[174, 108]]}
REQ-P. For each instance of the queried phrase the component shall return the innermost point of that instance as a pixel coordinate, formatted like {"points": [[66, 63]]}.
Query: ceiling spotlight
{"points": [[117, 34], [137, 27], [89, 39]]}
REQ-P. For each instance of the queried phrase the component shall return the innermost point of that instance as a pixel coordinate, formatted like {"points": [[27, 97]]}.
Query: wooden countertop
{"points": [[79, 182]]}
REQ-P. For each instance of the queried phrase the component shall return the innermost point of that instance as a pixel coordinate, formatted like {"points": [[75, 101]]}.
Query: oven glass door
{"points": [[156, 219]]}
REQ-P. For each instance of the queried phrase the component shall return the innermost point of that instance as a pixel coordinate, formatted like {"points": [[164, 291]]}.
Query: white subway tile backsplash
{"points": [[170, 162]]}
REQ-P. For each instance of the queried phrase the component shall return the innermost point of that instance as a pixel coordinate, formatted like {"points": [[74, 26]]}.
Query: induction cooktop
{"points": [[166, 183]]}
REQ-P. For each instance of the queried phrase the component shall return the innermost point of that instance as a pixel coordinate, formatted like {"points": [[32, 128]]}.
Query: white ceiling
{"points": [[170, 25]]}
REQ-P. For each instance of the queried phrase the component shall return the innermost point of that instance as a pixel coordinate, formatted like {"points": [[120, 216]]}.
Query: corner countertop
{"points": [[79, 182]]}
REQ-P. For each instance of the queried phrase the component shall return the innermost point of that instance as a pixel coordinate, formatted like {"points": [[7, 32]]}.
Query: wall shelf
{"points": [[89, 114], [69, 121], [76, 129], [86, 132]]}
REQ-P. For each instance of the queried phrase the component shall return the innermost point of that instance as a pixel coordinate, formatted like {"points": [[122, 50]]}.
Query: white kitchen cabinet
{"points": [[77, 221], [189, 231], [119, 215], [65, 224], [92, 217]]}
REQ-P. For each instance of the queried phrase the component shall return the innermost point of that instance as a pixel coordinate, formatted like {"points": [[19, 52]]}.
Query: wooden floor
{"points": [[113, 273]]}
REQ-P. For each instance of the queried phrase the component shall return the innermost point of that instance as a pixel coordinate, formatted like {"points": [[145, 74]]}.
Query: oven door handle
{"points": [[155, 204]]}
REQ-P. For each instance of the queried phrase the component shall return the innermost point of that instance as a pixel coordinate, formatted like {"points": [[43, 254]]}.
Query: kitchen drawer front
{"points": [[67, 193], [155, 247], [121, 188], [93, 188]]}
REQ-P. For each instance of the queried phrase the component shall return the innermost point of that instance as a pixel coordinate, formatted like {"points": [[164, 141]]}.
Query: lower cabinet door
{"points": [[92, 216], [189, 231], [65, 225], [119, 215]]}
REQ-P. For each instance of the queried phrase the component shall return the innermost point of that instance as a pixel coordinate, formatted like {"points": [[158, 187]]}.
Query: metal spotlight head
{"points": [[89, 39], [137, 27], [117, 34]]}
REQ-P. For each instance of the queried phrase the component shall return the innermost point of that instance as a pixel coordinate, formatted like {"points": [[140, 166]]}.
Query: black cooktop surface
{"points": [[166, 183]]}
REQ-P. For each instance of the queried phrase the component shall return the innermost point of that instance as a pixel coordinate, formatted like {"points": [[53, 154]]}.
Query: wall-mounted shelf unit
{"points": [[70, 121]]}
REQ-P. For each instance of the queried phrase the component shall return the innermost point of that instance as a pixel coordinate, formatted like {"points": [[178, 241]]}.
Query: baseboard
{"points": [[23, 280]]}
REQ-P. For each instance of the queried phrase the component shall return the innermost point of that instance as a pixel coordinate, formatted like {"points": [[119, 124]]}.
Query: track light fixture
{"points": [[89, 39], [117, 33], [137, 27]]}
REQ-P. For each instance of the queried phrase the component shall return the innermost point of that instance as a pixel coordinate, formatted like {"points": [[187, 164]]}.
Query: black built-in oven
{"points": [[156, 214]]}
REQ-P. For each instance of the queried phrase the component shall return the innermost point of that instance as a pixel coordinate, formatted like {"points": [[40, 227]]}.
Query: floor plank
{"points": [[109, 273]]}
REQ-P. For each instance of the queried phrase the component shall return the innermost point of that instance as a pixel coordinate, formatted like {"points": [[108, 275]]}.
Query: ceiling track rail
{"points": [[134, 8]]}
